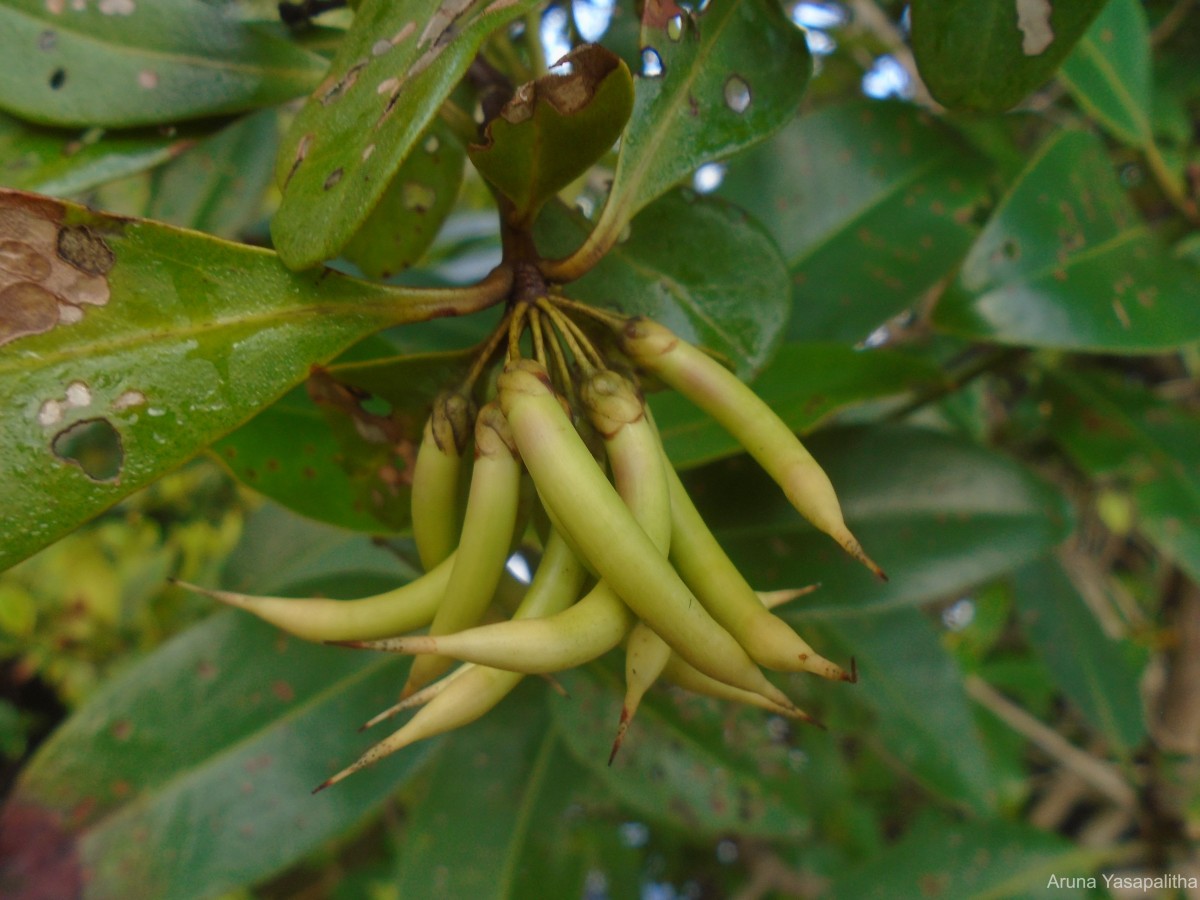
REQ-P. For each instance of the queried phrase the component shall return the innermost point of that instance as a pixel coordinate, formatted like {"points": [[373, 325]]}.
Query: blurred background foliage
{"points": [[991, 335]]}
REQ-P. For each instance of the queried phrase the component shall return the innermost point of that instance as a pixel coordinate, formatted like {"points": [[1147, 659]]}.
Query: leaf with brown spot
{"points": [[1066, 261], [412, 210], [183, 340], [396, 65], [555, 128], [162, 61]]}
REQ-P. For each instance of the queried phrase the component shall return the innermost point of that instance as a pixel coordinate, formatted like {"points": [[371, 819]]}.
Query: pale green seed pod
{"points": [[747, 418], [436, 477], [487, 535], [403, 609], [716, 581], [601, 526]]}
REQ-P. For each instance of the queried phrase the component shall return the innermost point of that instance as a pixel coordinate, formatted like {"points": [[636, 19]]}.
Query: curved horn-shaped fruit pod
{"points": [[393, 612], [716, 581], [601, 526], [744, 415], [435, 477], [487, 534], [471, 691]]}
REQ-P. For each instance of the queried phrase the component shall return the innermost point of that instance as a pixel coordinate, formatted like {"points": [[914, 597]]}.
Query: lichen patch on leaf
{"points": [[48, 270], [1033, 20]]}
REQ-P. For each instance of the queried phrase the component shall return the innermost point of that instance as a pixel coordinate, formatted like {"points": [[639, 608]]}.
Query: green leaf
{"points": [[971, 861], [913, 689], [289, 453], [872, 204], [130, 346], [1108, 73], [191, 774], [687, 762], [284, 554], [132, 62], [1095, 672], [700, 266], [555, 128], [1066, 261], [988, 54], [938, 512], [64, 163], [804, 384], [727, 77], [324, 453], [414, 207], [220, 185], [397, 64], [1111, 427], [491, 775]]}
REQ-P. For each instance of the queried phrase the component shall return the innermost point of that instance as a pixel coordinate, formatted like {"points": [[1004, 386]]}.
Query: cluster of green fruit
{"points": [[625, 554]]}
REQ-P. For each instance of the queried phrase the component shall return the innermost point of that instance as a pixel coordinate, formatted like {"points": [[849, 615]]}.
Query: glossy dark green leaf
{"points": [[409, 215], [132, 62], [555, 128], [988, 54], [467, 832], [713, 82], [1095, 672], [192, 773], [872, 204], [938, 512], [971, 861], [1108, 72], [397, 64], [282, 553], [687, 762], [699, 265], [912, 689], [66, 162], [130, 346], [804, 384], [289, 453], [1066, 261], [1117, 429], [345, 464], [220, 185]]}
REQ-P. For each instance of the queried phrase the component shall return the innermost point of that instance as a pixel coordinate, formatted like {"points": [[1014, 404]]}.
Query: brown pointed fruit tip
{"points": [[773, 599], [328, 782], [622, 730], [851, 545]]}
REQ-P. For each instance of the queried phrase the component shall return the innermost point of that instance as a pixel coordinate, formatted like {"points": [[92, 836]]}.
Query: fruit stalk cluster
{"points": [[552, 421]]}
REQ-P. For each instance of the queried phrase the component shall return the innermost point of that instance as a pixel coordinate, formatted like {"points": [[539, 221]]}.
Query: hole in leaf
{"points": [[652, 65], [93, 445], [675, 27], [57, 79], [737, 94]]}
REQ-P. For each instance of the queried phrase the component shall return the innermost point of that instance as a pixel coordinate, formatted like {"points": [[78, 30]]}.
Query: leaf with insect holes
{"points": [[136, 62], [126, 347], [713, 82], [396, 66], [988, 54], [555, 128]]}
